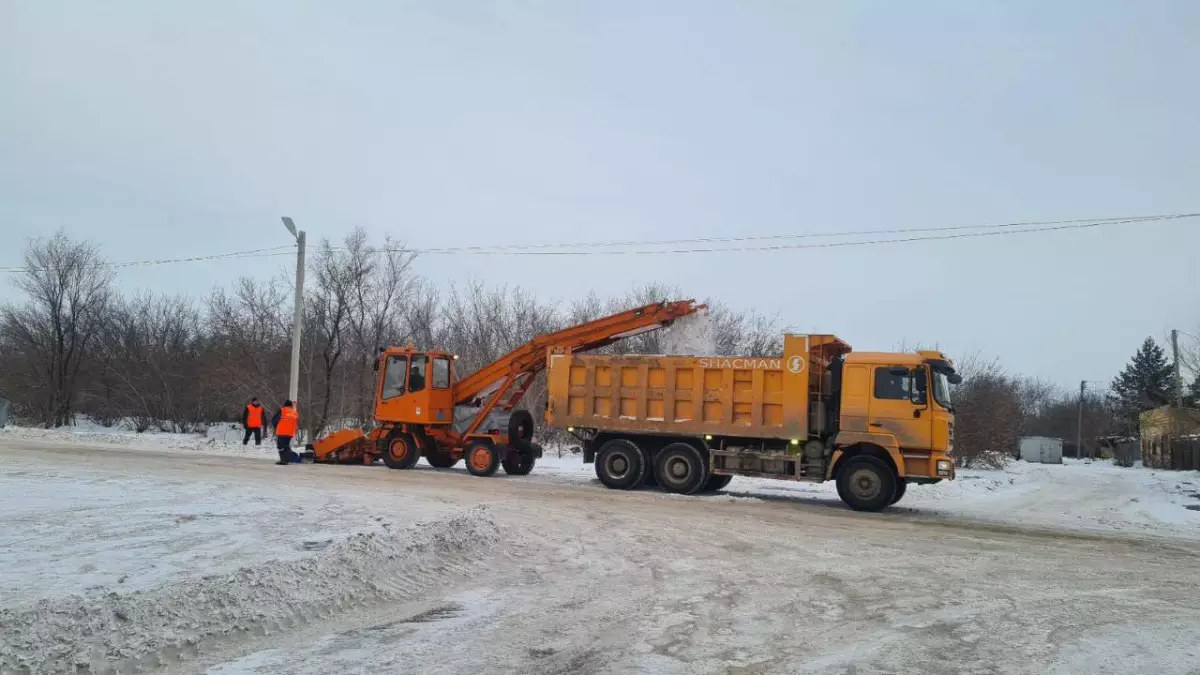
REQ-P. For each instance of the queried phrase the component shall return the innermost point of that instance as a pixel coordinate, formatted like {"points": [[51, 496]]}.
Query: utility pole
{"points": [[1079, 422], [1178, 374], [298, 315]]}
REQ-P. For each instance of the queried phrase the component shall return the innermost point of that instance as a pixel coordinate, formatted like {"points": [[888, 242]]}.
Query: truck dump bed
{"points": [[741, 396]]}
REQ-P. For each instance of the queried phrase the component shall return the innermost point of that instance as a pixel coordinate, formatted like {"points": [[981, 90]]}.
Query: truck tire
{"points": [[441, 460], [716, 483], [621, 464], [866, 483], [901, 487], [520, 427], [519, 460], [400, 451], [681, 469], [482, 458]]}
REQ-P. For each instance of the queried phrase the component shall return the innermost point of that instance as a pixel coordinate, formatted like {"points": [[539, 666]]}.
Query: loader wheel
{"points": [[621, 465], [401, 452], [716, 483], [520, 427], [482, 459], [866, 484], [519, 460], [441, 460], [681, 469], [901, 487]]}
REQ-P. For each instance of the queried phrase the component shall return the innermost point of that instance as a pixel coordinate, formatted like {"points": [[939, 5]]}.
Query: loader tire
{"points": [[621, 464], [681, 469], [520, 427], [716, 483], [441, 460], [482, 458], [866, 483], [401, 451], [519, 461]]}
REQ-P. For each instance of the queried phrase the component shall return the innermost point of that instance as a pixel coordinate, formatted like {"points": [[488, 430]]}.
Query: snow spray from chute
{"points": [[692, 335]]}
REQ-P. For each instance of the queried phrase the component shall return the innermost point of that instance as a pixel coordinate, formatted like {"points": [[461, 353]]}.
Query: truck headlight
{"points": [[945, 467]]}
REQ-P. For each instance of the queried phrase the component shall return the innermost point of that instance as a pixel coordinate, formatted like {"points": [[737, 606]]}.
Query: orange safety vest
{"points": [[289, 421], [254, 416]]}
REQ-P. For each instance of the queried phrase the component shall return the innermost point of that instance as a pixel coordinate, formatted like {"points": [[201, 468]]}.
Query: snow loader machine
{"points": [[422, 409]]}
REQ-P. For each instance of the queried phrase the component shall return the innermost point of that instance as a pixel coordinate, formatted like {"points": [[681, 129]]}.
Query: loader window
{"points": [[416, 373], [441, 373], [393, 376], [891, 387]]}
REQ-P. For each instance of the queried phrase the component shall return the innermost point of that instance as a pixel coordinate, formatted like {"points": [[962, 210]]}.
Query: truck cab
{"points": [[899, 402]]}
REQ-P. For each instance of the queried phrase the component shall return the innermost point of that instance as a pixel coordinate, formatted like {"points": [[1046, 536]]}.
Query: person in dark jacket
{"points": [[286, 422], [253, 419]]}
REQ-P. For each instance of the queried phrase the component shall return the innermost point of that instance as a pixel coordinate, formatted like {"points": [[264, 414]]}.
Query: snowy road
{"points": [[203, 563]]}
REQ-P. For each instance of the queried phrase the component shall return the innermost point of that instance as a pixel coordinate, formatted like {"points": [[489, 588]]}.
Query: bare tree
{"points": [[68, 288], [988, 413]]}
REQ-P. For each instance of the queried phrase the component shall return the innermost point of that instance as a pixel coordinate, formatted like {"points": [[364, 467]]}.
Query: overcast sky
{"points": [[162, 129]]}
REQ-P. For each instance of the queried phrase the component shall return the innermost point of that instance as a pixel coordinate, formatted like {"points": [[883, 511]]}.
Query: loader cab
{"points": [[414, 387]]}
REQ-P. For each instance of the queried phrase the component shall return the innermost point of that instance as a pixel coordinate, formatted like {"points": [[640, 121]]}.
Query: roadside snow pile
{"points": [[156, 628], [219, 439], [1081, 495], [691, 335]]}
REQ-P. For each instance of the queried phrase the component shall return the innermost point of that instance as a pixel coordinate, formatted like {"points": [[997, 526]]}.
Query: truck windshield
{"points": [[941, 390]]}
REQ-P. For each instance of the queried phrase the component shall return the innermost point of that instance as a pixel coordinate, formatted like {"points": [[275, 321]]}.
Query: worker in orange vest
{"points": [[252, 420], [286, 423]]}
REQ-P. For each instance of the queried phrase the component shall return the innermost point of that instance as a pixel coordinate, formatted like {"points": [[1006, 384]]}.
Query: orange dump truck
{"points": [[871, 421]]}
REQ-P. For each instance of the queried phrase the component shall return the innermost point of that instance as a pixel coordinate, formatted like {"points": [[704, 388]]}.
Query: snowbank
{"points": [[1077, 495], [158, 627]]}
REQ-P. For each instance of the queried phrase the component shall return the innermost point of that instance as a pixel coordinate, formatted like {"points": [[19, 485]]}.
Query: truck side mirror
{"points": [[954, 379]]}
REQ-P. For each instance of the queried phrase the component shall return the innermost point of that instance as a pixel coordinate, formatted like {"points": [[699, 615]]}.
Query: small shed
{"points": [[1041, 449]]}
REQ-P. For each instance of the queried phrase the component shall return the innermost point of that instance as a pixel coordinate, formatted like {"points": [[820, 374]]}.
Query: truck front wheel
{"points": [[866, 484], [681, 469], [621, 464], [901, 487]]}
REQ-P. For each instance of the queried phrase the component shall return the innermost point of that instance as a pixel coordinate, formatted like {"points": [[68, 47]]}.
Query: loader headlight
{"points": [[945, 467]]}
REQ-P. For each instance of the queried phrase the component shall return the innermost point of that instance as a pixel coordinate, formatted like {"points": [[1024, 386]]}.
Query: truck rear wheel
{"points": [[866, 484], [400, 452], [716, 483], [621, 464], [681, 469], [901, 487], [482, 459]]}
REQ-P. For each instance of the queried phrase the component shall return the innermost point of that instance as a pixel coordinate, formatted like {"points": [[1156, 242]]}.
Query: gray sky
{"points": [[168, 129]]}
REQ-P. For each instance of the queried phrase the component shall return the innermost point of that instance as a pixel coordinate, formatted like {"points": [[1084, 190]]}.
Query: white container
{"points": [[1041, 449]]}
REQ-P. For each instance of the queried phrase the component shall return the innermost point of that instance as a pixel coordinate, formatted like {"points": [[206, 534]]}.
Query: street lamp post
{"points": [[298, 316]]}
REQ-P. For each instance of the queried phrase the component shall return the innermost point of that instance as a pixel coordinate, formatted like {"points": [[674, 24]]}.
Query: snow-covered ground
{"points": [[205, 557], [1093, 496]]}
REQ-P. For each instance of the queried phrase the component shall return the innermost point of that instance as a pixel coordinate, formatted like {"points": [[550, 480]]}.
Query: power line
{"points": [[570, 249], [253, 253], [780, 237], [1073, 225]]}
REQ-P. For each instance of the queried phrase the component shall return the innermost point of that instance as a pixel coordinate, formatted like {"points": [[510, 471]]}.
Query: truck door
{"points": [[900, 405]]}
